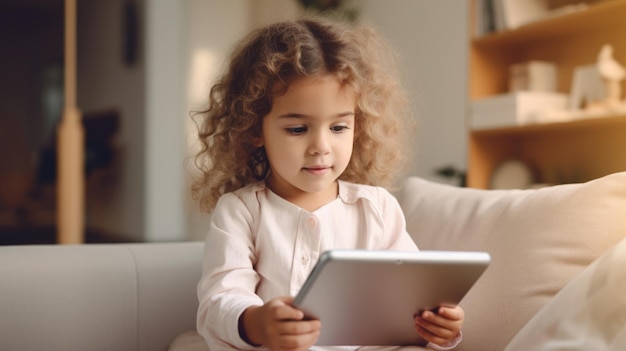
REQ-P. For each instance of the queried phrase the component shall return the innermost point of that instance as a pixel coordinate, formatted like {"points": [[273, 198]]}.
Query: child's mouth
{"points": [[317, 170]]}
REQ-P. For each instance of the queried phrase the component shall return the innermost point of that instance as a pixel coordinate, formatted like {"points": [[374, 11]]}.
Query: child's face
{"points": [[308, 137]]}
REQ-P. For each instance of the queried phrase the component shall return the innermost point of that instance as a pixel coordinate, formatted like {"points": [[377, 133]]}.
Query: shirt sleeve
{"points": [[449, 346], [227, 285]]}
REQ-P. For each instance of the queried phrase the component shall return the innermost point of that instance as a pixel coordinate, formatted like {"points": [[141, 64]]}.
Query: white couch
{"points": [[141, 296]]}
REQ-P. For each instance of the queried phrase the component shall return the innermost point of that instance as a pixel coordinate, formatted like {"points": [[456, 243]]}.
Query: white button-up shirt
{"points": [[260, 246]]}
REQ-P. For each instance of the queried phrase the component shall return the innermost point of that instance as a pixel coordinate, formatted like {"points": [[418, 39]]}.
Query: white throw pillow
{"points": [[588, 314]]}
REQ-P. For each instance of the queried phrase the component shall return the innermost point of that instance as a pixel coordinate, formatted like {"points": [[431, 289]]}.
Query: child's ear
{"points": [[257, 141]]}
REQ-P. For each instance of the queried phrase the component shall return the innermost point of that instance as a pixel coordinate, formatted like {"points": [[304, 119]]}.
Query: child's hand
{"points": [[442, 326], [279, 326]]}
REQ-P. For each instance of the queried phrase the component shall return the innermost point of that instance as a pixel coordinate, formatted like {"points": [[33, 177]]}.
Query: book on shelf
{"points": [[500, 15], [516, 13], [482, 18]]}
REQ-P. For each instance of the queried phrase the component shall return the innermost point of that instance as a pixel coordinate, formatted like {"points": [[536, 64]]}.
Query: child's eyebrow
{"points": [[346, 114], [300, 115]]}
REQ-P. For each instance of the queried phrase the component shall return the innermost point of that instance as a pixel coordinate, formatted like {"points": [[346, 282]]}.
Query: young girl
{"points": [[300, 133]]}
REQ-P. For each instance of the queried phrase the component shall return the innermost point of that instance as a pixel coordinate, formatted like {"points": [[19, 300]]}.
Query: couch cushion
{"points": [[539, 240]]}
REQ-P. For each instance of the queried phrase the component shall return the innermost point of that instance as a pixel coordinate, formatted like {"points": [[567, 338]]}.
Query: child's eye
{"points": [[296, 130], [338, 129]]}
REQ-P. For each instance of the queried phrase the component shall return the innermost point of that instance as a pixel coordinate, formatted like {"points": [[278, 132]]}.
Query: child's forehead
{"points": [[322, 96], [280, 88]]}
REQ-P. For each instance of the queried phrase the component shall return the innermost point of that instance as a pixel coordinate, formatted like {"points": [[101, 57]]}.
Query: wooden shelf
{"points": [[559, 152], [609, 13], [608, 121]]}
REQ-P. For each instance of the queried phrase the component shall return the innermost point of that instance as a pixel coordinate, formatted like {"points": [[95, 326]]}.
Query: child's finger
{"points": [[452, 313], [434, 328], [299, 327], [430, 336], [281, 309], [288, 313]]}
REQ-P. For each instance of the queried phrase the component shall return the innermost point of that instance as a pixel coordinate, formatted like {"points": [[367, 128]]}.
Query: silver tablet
{"points": [[370, 297]]}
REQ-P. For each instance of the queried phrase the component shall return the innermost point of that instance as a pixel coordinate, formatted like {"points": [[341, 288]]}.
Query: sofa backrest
{"points": [[97, 297], [539, 240]]}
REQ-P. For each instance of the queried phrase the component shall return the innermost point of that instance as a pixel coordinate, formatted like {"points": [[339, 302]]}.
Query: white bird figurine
{"points": [[612, 73]]}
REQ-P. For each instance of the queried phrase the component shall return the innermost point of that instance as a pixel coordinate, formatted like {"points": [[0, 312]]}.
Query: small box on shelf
{"points": [[516, 109], [532, 76]]}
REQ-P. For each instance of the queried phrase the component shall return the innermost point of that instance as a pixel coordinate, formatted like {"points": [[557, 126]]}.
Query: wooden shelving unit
{"points": [[557, 152]]}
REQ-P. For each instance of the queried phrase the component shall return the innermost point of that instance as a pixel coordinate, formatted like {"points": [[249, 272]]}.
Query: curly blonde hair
{"points": [[272, 57]]}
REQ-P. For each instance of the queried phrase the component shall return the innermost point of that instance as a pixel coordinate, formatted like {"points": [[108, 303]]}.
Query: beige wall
{"points": [[431, 37], [212, 27]]}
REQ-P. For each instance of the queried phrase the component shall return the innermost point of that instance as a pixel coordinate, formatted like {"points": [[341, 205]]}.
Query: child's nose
{"points": [[320, 144]]}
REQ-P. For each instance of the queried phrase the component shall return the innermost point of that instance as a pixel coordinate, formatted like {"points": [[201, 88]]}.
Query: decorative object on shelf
{"points": [[511, 174], [532, 76], [587, 87], [612, 73], [596, 88]]}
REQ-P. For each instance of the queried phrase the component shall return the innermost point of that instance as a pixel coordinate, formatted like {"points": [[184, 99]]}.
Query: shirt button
{"points": [[312, 222], [304, 260]]}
